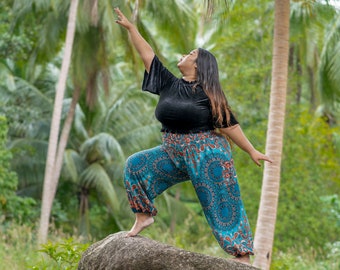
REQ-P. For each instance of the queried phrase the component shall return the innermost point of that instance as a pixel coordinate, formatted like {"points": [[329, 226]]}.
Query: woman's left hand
{"points": [[256, 156]]}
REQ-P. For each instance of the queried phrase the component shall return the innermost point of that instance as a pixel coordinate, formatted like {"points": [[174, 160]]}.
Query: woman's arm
{"points": [[143, 48], [236, 134]]}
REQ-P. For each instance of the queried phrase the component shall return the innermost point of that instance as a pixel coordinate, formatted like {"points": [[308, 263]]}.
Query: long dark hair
{"points": [[208, 78]]}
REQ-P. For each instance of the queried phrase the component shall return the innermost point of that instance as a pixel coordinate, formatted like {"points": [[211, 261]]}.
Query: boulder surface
{"points": [[140, 253]]}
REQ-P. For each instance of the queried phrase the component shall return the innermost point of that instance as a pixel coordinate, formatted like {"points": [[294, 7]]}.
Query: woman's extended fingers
{"points": [[121, 19], [268, 159], [257, 156], [120, 15]]}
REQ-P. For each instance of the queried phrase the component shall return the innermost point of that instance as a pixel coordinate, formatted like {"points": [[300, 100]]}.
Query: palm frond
{"points": [[141, 137], [103, 148], [73, 166], [222, 7], [50, 17], [329, 77], [95, 177], [29, 163], [175, 206], [175, 20], [79, 118]]}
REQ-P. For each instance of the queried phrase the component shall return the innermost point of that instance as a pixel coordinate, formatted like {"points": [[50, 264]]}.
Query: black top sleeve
{"points": [[232, 122], [157, 77]]}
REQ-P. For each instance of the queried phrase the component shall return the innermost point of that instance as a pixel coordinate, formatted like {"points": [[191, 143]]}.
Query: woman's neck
{"points": [[189, 78]]}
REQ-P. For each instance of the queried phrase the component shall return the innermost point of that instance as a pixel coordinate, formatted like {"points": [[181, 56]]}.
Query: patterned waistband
{"points": [[187, 138], [194, 135]]}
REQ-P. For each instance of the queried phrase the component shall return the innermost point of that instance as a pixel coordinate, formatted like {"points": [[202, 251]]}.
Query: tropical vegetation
{"points": [[113, 118]]}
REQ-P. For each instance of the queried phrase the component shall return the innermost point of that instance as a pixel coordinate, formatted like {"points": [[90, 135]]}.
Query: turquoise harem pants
{"points": [[205, 158]]}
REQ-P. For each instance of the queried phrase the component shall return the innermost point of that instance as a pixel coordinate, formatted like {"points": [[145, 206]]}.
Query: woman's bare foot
{"points": [[243, 259], [143, 220]]}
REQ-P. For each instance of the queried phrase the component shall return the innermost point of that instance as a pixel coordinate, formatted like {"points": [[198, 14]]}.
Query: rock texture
{"points": [[140, 253]]}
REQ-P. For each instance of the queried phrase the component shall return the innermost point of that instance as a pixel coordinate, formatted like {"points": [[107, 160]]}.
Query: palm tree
{"points": [[311, 24], [50, 186], [28, 106], [90, 169], [328, 73], [271, 178]]}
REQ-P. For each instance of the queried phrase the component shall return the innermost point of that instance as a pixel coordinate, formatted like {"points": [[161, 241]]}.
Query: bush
{"points": [[64, 255], [12, 207]]}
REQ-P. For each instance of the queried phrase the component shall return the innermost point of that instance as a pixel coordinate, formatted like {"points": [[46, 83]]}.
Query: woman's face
{"points": [[188, 61]]}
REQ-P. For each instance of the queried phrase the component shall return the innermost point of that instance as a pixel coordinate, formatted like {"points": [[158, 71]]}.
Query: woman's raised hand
{"points": [[122, 20], [143, 48]]}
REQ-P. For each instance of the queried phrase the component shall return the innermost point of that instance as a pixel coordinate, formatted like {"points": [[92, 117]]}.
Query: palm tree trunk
{"points": [[84, 224], [265, 227], [50, 184], [64, 136]]}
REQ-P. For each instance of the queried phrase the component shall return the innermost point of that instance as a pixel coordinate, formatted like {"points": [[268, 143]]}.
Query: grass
{"points": [[308, 259], [19, 250]]}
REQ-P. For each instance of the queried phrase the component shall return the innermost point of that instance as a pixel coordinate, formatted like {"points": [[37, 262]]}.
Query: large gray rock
{"points": [[139, 253]]}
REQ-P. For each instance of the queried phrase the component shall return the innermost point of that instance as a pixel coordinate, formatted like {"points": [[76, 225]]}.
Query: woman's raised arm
{"points": [[143, 48]]}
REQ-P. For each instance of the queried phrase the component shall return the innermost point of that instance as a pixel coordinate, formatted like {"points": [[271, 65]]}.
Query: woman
{"points": [[196, 120]]}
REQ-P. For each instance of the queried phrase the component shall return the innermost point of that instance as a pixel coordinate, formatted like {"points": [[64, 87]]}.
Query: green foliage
{"points": [[329, 68], [13, 46], [17, 247], [333, 203], [19, 250], [12, 207], [244, 50], [63, 255], [309, 171], [308, 259], [308, 211]]}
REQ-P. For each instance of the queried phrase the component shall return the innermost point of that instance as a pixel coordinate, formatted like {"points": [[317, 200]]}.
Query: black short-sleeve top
{"points": [[182, 108]]}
